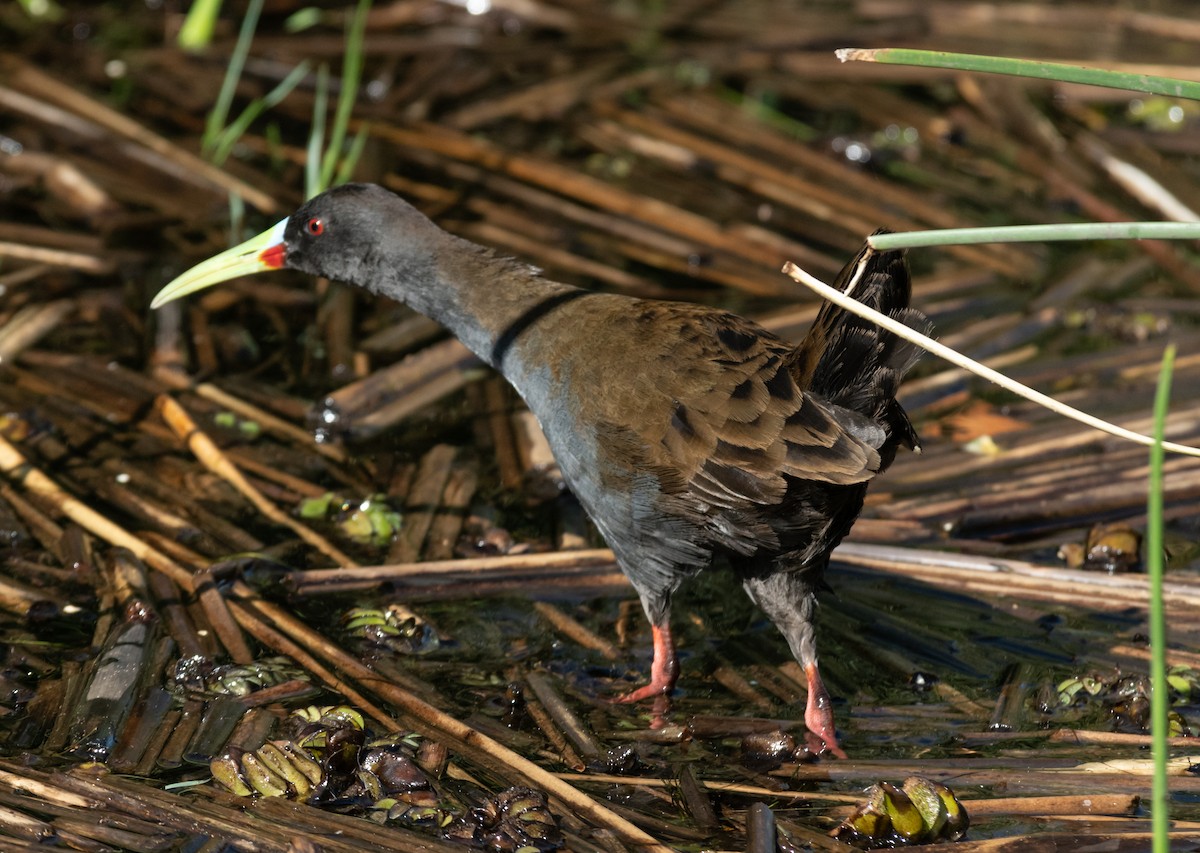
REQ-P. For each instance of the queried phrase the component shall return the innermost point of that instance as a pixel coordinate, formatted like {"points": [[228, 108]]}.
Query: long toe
{"points": [[664, 669], [646, 691]]}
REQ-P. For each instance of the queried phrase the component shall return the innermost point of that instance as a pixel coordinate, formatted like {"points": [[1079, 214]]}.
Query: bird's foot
{"points": [[818, 717], [823, 745], [664, 672], [658, 710]]}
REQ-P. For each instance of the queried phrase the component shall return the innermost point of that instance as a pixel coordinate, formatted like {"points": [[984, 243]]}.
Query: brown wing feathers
{"points": [[820, 412], [737, 438]]}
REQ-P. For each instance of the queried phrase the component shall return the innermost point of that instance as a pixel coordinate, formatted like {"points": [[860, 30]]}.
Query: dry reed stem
{"points": [[18, 469], [81, 261], [216, 608], [561, 713], [42, 86], [218, 463], [736, 683], [44, 791], [550, 175], [269, 473], [1175, 657], [269, 422], [558, 740], [442, 539], [596, 559], [856, 214], [504, 443], [574, 631], [174, 616], [422, 502], [1016, 576], [29, 324], [17, 598], [249, 614]]}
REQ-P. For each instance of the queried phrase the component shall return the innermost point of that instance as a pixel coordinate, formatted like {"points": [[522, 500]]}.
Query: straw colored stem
{"points": [[18, 469], [573, 630], [932, 346], [315, 580], [216, 461]]}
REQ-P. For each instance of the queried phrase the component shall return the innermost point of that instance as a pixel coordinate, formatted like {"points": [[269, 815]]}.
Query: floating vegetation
{"points": [[371, 521], [332, 763], [513, 820], [395, 628], [920, 812], [1112, 548], [1124, 699], [198, 675], [276, 769]]}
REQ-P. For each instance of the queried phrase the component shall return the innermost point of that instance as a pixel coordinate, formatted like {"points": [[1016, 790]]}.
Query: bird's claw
{"points": [[823, 745]]}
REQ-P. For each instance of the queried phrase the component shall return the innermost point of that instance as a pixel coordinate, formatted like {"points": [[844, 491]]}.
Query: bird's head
{"points": [[356, 233]]}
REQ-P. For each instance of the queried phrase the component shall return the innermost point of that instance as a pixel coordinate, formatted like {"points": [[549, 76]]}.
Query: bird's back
{"points": [[689, 432]]}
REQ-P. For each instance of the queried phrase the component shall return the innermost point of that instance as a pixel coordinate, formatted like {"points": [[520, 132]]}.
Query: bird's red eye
{"points": [[315, 226]]}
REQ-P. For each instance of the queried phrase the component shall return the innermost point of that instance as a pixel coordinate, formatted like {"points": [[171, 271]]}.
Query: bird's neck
{"points": [[487, 301]]}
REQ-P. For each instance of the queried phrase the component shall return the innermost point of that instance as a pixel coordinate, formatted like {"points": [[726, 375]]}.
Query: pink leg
{"points": [[818, 716], [664, 670]]}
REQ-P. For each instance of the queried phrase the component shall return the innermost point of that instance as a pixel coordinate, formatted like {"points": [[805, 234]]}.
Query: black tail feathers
{"points": [[855, 364]]}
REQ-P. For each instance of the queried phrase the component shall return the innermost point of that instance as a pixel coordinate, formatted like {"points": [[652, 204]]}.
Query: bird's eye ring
{"points": [[315, 226]]}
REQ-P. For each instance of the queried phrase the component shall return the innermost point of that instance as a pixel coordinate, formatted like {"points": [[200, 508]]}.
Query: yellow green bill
{"points": [[258, 254]]}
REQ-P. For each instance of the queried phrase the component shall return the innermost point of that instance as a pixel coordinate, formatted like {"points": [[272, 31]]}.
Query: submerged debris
{"points": [[109, 698], [314, 724], [331, 763], [762, 750], [622, 760], [1113, 548], [514, 820]]}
